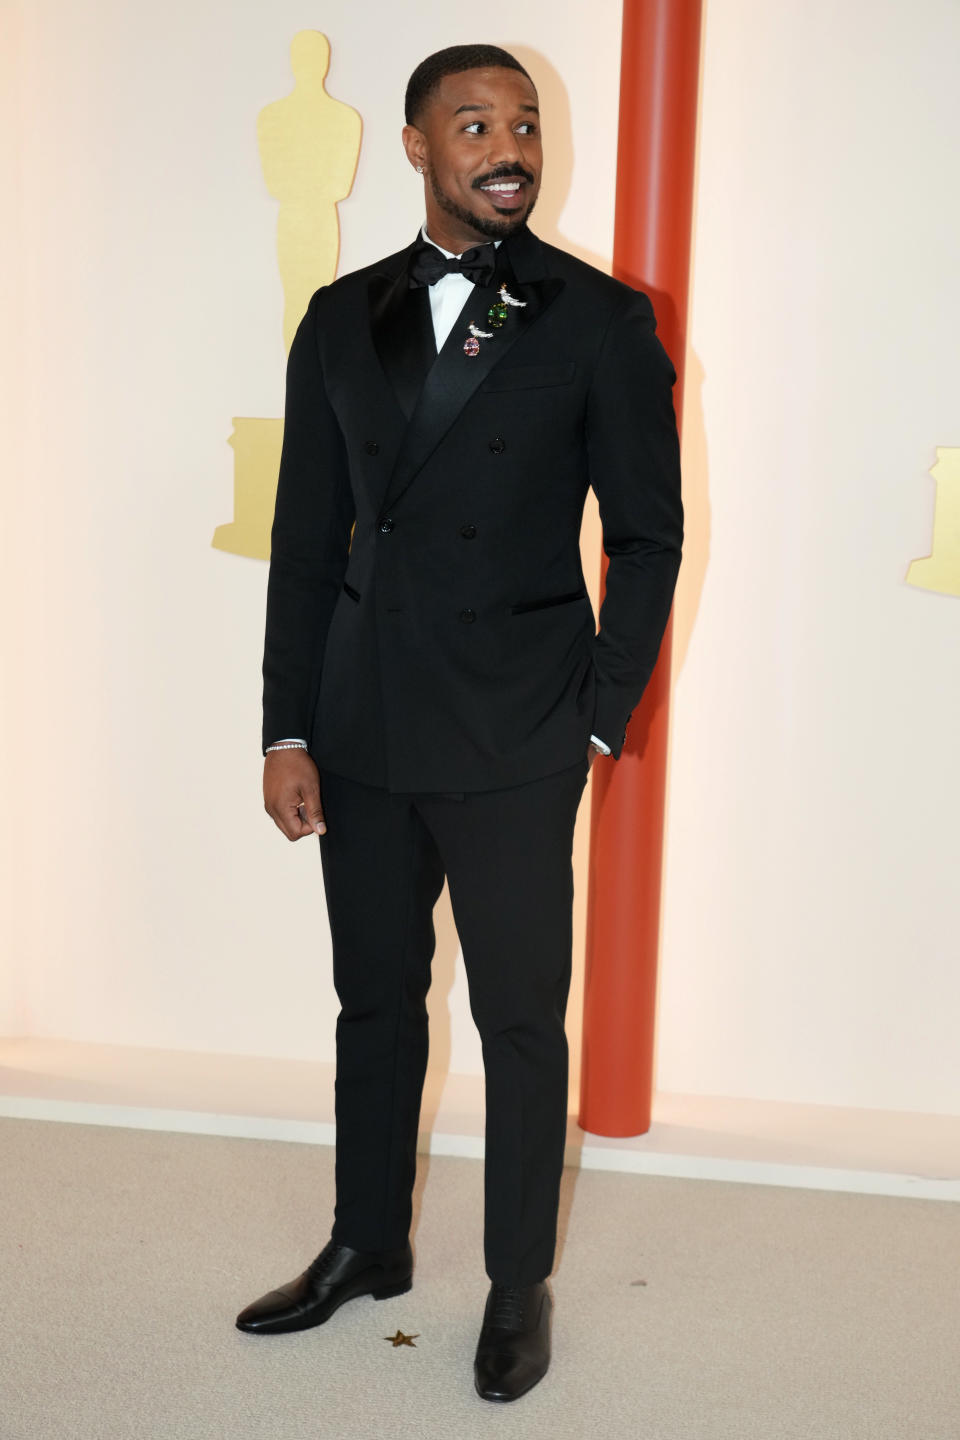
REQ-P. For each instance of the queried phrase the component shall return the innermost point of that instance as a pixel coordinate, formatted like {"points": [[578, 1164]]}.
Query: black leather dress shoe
{"points": [[337, 1274], [513, 1351]]}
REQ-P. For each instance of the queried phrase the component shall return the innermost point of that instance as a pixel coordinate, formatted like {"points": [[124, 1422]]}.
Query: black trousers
{"points": [[507, 855]]}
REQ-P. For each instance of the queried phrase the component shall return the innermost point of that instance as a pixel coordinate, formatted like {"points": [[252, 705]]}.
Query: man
{"points": [[434, 685]]}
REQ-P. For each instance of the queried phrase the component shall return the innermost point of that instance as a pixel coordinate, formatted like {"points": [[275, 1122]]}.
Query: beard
{"points": [[493, 229]]}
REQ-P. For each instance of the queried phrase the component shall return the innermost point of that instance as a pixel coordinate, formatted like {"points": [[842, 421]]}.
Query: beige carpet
{"points": [[765, 1314]]}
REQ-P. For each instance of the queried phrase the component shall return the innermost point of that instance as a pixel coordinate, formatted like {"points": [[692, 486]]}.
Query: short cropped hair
{"points": [[452, 61]]}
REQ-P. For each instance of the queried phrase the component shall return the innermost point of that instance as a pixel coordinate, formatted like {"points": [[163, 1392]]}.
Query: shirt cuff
{"points": [[604, 749]]}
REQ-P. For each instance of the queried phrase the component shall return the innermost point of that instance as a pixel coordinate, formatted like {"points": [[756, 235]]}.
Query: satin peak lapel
{"points": [[402, 329], [456, 376]]}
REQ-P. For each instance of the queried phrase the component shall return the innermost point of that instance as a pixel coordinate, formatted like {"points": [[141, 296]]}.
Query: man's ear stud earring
{"points": [[419, 169]]}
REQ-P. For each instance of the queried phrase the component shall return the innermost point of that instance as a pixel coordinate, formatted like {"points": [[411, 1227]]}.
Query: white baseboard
{"points": [[693, 1137]]}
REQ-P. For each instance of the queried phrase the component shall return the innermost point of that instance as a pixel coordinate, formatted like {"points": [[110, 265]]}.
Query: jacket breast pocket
{"points": [[529, 377]]}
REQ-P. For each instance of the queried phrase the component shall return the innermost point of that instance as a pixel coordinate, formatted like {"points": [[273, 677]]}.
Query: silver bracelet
{"points": [[287, 745]]}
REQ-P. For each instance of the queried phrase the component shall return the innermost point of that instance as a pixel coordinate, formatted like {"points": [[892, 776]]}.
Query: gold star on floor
{"points": [[401, 1339]]}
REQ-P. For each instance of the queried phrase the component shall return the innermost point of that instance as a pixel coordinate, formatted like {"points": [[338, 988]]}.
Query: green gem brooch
{"points": [[496, 317]]}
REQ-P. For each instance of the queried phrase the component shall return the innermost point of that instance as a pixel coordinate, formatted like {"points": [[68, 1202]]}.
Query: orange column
{"points": [[659, 76]]}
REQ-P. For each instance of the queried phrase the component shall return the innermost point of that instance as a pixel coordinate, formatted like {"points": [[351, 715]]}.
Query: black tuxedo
{"points": [[429, 631], [451, 645]]}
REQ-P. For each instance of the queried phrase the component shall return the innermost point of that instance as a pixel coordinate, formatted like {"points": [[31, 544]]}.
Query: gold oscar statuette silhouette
{"points": [[309, 148], [940, 570]]}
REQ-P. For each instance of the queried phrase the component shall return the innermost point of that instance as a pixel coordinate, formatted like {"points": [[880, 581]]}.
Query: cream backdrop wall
{"points": [[158, 906], [810, 917]]}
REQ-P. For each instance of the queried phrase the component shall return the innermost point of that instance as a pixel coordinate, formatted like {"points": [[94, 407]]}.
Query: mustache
{"points": [[505, 172]]}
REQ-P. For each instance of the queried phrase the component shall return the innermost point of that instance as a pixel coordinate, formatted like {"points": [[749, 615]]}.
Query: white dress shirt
{"points": [[447, 298]]}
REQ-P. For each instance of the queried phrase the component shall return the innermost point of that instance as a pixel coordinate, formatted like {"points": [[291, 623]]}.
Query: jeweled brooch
{"points": [[496, 317]]}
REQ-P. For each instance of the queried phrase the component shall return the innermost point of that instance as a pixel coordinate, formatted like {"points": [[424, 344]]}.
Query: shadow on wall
{"points": [[696, 469], [559, 160], [696, 504], [697, 515], [558, 156], [558, 169]]}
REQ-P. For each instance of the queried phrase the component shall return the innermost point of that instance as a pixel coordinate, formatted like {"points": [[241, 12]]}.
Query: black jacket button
{"points": [[371, 447], [498, 445], [386, 526], [468, 616], [468, 531]]}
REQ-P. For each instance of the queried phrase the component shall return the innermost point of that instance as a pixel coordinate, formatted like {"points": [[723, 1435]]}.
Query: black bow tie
{"points": [[427, 265]]}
